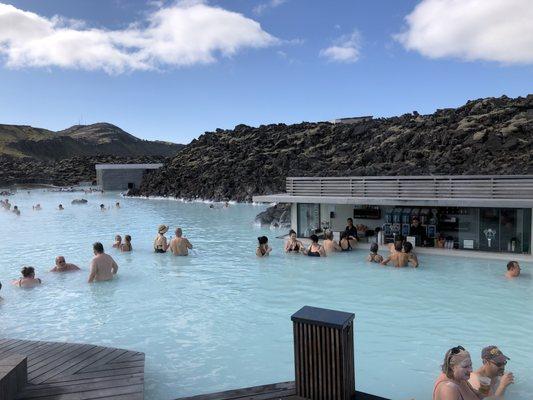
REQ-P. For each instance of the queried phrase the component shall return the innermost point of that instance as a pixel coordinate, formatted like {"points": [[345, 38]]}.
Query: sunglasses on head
{"points": [[455, 350]]}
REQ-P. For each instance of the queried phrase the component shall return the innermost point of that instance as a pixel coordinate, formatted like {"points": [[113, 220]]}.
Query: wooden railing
{"points": [[423, 187]]}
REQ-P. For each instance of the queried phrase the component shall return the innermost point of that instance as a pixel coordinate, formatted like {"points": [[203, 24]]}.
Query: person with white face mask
{"points": [[452, 383]]}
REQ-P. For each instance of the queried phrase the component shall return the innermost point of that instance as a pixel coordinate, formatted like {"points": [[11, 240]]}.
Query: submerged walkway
{"points": [[277, 391], [68, 371]]}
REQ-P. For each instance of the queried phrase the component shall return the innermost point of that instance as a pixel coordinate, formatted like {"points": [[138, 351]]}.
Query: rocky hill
{"points": [[100, 139], [65, 172], [485, 136]]}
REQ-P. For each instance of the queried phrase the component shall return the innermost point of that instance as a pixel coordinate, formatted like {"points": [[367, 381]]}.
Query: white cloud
{"points": [[491, 30], [183, 34], [261, 8], [345, 49]]}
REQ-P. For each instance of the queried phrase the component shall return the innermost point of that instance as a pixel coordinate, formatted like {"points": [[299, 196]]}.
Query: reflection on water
{"points": [[220, 318]]}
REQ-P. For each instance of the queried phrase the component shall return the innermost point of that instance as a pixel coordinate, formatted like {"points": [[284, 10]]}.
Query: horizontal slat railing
{"points": [[460, 187]]}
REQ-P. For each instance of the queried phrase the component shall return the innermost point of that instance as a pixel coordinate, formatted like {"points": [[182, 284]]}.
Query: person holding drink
{"points": [[452, 383], [491, 380]]}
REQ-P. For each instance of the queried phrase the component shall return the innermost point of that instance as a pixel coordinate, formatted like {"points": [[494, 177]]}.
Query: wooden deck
{"points": [[69, 371], [278, 391]]}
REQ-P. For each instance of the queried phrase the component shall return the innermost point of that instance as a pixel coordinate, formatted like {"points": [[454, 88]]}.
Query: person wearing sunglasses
{"points": [[491, 379], [452, 383], [63, 266]]}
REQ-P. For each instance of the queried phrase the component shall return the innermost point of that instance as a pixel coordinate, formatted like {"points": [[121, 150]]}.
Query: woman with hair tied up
{"points": [[263, 249], [452, 383], [28, 279]]}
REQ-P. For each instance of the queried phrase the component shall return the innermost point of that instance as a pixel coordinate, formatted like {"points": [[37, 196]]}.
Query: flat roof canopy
{"points": [[514, 191], [128, 166], [427, 202]]}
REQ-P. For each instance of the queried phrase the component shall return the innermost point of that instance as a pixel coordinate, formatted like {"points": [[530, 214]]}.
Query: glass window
{"points": [[308, 219]]}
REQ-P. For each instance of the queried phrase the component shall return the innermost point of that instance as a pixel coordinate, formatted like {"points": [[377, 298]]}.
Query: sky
{"points": [[172, 70]]}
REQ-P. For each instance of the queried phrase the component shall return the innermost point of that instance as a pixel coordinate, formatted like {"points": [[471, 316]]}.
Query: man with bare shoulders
{"points": [[63, 266], [179, 246], [399, 258], [491, 379], [329, 244], [103, 267]]}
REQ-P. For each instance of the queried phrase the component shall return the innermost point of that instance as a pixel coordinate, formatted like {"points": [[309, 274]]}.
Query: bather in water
{"points": [[28, 279]]}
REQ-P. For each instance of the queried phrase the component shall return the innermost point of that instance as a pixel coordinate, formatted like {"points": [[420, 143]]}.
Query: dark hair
{"points": [[329, 235], [27, 271], [398, 246], [292, 231], [127, 238], [374, 247], [101, 205], [510, 265], [343, 235], [98, 247], [399, 238], [314, 238], [262, 240], [0, 285], [415, 218], [407, 246], [377, 230], [349, 219]]}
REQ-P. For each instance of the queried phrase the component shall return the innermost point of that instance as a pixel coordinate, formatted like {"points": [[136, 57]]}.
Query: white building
{"points": [[484, 213]]}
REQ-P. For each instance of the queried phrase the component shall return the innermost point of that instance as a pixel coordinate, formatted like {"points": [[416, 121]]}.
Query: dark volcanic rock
{"points": [[486, 136], [66, 172], [278, 215]]}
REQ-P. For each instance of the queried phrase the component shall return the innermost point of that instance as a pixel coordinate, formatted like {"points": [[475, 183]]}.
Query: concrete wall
{"points": [[118, 179]]}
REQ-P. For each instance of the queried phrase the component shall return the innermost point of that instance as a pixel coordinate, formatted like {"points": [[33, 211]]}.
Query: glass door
{"points": [[308, 219]]}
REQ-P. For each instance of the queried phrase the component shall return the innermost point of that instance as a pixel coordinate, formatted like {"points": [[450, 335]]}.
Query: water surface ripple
{"points": [[220, 319]]}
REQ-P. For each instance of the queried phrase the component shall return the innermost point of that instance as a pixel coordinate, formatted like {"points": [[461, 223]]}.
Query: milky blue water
{"points": [[220, 318]]}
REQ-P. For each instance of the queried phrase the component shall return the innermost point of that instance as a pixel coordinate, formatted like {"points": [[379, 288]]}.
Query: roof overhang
{"points": [[427, 202], [127, 166]]}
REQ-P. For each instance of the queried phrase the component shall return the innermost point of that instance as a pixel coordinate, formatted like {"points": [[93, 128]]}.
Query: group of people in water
{"points": [[178, 246], [458, 380], [401, 252], [7, 206], [103, 267]]}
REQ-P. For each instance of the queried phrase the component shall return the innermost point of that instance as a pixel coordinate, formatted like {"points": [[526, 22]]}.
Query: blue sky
{"points": [[253, 62]]}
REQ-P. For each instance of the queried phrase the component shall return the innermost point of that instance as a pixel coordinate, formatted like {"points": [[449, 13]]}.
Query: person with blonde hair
{"points": [[329, 244], [452, 383]]}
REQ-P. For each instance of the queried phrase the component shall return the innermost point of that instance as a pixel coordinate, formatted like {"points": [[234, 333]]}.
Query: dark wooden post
{"points": [[324, 354]]}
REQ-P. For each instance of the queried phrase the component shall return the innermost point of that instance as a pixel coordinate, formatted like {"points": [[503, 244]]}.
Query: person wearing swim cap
{"points": [[491, 379], [452, 383]]}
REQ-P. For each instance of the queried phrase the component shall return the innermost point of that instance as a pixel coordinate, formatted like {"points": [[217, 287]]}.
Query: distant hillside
{"points": [[485, 136], [102, 139]]}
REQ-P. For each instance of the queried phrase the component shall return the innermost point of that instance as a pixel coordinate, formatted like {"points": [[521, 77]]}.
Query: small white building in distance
{"points": [[122, 176]]}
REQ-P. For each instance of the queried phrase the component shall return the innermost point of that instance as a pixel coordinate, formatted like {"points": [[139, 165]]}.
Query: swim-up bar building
{"points": [[122, 176], [487, 213]]}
